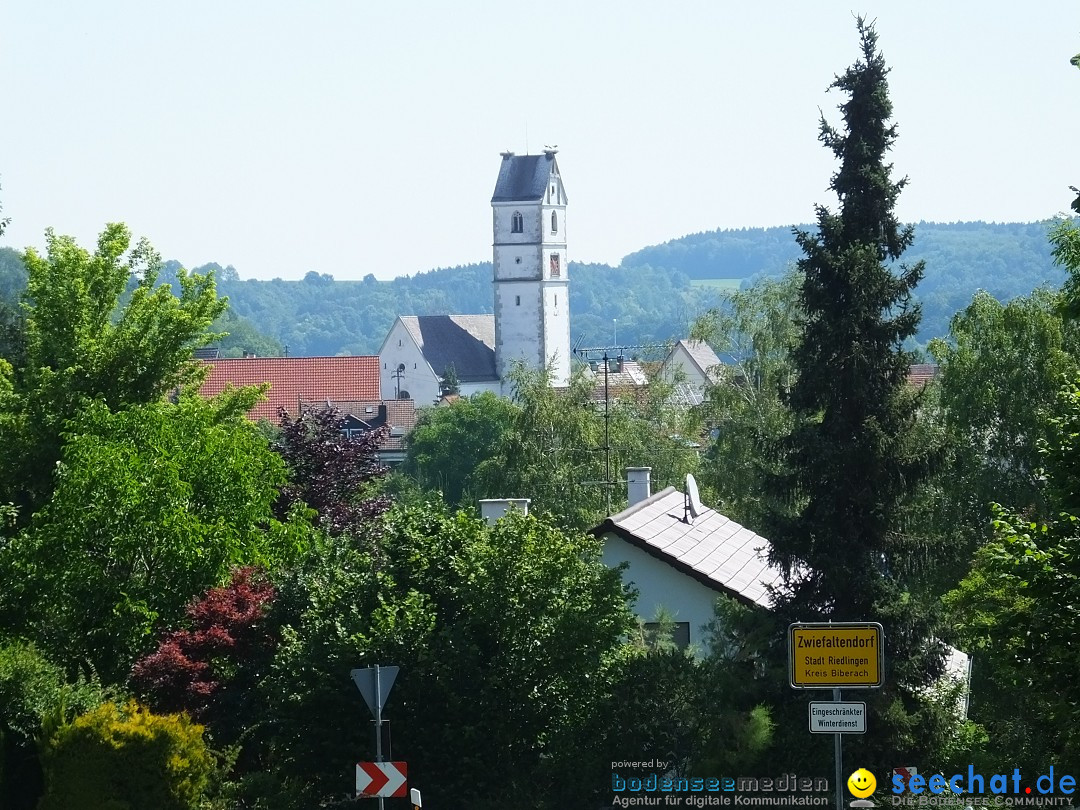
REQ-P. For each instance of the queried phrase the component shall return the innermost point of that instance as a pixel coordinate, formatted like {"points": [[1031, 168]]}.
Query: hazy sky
{"points": [[354, 137]]}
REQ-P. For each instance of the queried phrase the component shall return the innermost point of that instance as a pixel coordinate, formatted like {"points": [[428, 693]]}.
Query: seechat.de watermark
{"points": [[982, 790]]}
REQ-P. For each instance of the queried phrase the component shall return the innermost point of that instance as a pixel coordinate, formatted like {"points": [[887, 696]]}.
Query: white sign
{"points": [[381, 779], [834, 717]]}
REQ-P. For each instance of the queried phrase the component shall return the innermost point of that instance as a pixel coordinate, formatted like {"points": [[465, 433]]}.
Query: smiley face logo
{"points": [[861, 783]]}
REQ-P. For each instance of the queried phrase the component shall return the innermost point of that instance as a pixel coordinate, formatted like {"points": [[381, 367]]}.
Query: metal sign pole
{"points": [[378, 724], [838, 750]]}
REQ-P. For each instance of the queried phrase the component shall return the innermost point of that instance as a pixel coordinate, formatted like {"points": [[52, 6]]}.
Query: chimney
{"points": [[638, 484], [491, 509]]}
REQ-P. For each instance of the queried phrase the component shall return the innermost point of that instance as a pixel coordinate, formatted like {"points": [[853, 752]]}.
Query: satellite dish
{"points": [[693, 498]]}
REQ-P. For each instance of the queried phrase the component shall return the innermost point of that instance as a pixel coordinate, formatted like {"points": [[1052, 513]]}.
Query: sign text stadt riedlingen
{"points": [[835, 655]]}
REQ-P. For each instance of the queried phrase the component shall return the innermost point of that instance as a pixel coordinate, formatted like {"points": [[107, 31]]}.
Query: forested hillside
{"points": [[653, 295], [1005, 259]]}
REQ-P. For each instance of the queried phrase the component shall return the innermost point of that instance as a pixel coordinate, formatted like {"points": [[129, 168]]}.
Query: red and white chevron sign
{"points": [[385, 779]]}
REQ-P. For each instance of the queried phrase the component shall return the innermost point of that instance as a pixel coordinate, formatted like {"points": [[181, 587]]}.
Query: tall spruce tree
{"points": [[853, 456]]}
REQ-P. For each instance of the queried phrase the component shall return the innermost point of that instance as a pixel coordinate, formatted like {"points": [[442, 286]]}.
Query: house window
{"points": [[555, 270], [679, 633], [554, 222], [517, 223]]}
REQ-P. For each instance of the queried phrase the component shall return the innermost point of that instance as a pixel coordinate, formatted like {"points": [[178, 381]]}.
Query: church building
{"points": [[531, 320]]}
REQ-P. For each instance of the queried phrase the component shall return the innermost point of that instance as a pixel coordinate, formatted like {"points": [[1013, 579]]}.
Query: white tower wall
{"points": [[531, 284]]}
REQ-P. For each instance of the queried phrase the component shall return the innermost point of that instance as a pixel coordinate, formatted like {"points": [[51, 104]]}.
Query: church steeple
{"points": [[532, 304]]}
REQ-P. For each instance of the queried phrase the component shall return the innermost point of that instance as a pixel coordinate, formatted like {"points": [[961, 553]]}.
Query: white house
{"points": [[693, 360], [681, 562], [531, 320]]}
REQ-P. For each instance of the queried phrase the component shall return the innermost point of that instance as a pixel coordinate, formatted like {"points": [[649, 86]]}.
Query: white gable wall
{"points": [[418, 378], [680, 360], [660, 585]]}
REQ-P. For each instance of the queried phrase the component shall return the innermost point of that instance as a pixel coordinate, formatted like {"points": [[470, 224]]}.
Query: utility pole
{"points": [[602, 353], [378, 724], [399, 372]]}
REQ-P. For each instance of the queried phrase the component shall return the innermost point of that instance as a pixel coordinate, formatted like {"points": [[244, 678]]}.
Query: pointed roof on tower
{"points": [[524, 178]]}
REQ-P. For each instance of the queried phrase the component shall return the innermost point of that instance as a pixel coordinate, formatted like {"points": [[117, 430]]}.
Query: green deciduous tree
{"points": [[452, 445], [1000, 371], [83, 345], [549, 444], [743, 406], [153, 505], [504, 637], [1018, 612], [1017, 608], [1065, 238]]}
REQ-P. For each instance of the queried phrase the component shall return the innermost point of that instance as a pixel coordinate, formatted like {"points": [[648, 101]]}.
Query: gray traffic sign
{"points": [[365, 680]]}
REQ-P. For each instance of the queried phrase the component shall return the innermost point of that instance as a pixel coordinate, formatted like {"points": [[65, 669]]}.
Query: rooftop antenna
{"points": [[603, 353], [692, 507], [526, 136]]}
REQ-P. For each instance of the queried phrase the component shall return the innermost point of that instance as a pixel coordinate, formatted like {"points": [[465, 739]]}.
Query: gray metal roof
{"points": [[712, 549], [701, 353], [523, 177], [467, 341]]}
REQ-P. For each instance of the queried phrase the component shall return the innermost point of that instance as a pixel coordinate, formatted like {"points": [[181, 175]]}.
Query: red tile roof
{"points": [[295, 378], [919, 374]]}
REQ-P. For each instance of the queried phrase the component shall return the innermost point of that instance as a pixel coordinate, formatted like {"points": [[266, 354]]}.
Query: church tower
{"points": [[532, 297]]}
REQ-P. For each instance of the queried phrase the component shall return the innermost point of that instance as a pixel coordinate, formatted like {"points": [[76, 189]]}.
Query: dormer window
{"points": [[554, 222], [517, 223]]}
